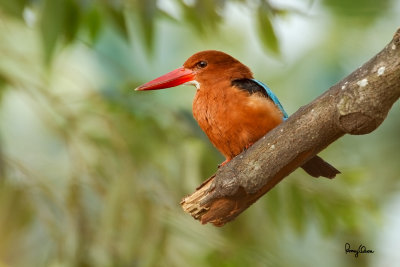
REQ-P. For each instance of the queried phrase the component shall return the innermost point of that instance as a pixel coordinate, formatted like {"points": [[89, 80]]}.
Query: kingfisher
{"points": [[230, 106]]}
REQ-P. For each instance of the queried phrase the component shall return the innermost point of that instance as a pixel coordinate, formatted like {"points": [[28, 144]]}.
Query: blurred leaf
{"points": [[296, 208], [13, 7], [93, 21], [166, 15], [203, 15], [327, 217], [15, 213], [348, 215], [117, 17], [71, 20], [366, 10], [102, 170], [207, 12], [273, 204], [285, 12], [191, 17], [60, 21], [266, 30], [3, 82], [281, 12], [146, 12], [51, 25]]}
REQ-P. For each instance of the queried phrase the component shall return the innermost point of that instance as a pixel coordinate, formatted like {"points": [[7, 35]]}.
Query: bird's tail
{"points": [[317, 167]]}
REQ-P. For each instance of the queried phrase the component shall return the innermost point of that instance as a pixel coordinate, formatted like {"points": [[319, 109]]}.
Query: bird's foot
{"points": [[248, 145], [223, 163]]}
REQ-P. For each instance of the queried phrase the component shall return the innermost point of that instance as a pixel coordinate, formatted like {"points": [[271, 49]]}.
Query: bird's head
{"points": [[202, 68]]}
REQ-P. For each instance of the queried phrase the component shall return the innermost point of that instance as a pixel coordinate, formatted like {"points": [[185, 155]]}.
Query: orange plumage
{"points": [[233, 119], [231, 108]]}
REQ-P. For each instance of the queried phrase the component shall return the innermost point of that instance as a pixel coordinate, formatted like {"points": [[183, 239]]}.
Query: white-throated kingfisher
{"points": [[231, 107]]}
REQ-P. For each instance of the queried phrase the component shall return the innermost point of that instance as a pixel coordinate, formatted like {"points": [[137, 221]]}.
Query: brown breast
{"points": [[234, 119]]}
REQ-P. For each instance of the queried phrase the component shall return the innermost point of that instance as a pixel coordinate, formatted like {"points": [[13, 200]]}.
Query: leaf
{"points": [[191, 16], [327, 219], [165, 15], [362, 10], [3, 83], [203, 15], [13, 7], [147, 11], [208, 9], [93, 21], [51, 25], [296, 208], [71, 20], [3, 80], [59, 19], [274, 204], [118, 19], [266, 30]]}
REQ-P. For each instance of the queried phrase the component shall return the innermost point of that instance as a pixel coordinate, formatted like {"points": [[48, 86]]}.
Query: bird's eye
{"points": [[201, 64]]}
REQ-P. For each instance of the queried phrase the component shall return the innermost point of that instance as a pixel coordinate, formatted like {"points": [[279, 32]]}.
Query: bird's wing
{"points": [[273, 97], [254, 86]]}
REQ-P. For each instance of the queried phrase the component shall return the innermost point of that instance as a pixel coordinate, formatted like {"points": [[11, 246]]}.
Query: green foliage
{"points": [[92, 173], [266, 29], [93, 20], [62, 20], [364, 10], [203, 15], [59, 19], [146, 11], [117, 18], [14, 8]]}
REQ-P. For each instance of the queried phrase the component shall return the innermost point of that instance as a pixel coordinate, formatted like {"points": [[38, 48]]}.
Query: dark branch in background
{"points": [[356, 105]]}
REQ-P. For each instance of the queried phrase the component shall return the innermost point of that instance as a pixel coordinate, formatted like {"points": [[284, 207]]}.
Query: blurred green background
{"points": [[92, 173]]}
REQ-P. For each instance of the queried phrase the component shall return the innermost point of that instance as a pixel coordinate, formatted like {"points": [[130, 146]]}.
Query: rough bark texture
{"points": [[356, 105]]}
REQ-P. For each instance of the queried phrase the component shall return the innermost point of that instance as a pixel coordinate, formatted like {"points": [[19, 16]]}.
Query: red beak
{"points": [[171, 79]]}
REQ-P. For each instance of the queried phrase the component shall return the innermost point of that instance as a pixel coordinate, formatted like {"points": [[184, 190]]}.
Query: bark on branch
{"points": [[356, 105]]}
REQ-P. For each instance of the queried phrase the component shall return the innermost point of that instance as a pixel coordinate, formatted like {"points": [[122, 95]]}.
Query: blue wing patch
{"points": [[273, 98], [253, 86]]}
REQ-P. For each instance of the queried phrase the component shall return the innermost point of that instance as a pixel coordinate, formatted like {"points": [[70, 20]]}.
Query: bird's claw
{"points": [[223, 163], [248, 145]]}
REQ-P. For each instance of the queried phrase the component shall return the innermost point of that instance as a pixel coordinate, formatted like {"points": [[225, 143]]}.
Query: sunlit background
{"points": [[92, 172]]}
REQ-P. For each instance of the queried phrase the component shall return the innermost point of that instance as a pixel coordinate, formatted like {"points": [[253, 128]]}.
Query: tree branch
{"points": [[356, 105]]}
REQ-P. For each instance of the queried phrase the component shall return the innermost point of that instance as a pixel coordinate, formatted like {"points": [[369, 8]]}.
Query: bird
{"points": [[231, 107]]}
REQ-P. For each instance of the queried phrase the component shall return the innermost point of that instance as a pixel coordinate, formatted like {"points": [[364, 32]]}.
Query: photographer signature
{"points": [[361, 249]]}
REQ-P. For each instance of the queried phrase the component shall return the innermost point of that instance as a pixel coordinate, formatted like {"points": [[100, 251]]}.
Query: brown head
{"points": [[201, 69]]}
